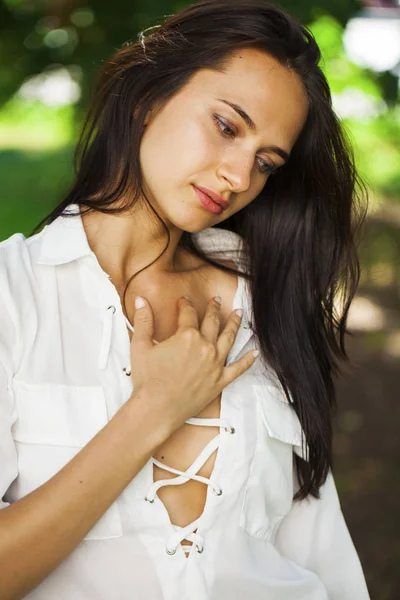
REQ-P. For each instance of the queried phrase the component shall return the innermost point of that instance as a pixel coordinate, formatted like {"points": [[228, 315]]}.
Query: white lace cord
{"points": [[129, 326], [183, 476], [106, 337], [203, 422], [190, 473], [185, 533], [197, 464]]}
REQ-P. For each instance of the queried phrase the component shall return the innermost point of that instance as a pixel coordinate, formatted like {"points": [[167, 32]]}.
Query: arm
{"points": [[40, 530], [314, 535]]}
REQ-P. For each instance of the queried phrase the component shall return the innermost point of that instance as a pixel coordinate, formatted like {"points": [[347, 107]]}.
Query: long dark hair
{"points": [[299, 234]]}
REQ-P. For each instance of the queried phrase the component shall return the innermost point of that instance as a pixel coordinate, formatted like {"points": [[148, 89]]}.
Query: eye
{"points": [[223, 127], [264, 167]]}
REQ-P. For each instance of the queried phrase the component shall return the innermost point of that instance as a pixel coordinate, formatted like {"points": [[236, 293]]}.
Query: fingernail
{"points": [[218, 299], [139, 302], [187, 297], [256, 353], [239, 312]]}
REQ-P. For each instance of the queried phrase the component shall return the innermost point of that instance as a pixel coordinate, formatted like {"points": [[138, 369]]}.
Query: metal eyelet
{"points": [[127, 371], [170, 552], [113, 307], [199, 549], [230, 429], [218, 492], [148, 500]]}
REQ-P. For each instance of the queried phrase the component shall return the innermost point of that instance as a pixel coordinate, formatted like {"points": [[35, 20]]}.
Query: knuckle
{"points": [[208, 350], [230, 336], [191, 335], [142, 319]]}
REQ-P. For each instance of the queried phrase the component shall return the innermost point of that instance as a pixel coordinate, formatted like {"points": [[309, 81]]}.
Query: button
{"points": [[170, 552], [218, 492]]}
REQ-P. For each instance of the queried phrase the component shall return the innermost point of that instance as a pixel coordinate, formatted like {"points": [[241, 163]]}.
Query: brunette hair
{"points": [[299, 234]]}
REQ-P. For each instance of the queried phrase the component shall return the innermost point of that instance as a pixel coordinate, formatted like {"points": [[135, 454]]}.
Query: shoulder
{"points": [[13, 251], [17, 273], [18, 251]]}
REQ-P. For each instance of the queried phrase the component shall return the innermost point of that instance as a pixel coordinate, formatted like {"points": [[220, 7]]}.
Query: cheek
{"points": [[175, 149]]}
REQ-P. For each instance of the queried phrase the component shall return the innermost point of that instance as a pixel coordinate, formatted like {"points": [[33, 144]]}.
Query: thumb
{"points": [[143, 322]]}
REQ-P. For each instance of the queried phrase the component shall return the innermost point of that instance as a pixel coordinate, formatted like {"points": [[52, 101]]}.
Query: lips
{"points": [[207, 203], [214, 196]]}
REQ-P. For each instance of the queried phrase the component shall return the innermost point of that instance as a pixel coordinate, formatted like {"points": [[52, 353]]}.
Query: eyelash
{"points": [[223, 127]]}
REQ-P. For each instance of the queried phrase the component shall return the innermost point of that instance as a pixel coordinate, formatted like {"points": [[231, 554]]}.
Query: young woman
{"points": [[145, 451]]}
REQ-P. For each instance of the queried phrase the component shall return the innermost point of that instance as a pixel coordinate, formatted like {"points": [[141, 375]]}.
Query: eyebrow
{"points": [[252, 126]]}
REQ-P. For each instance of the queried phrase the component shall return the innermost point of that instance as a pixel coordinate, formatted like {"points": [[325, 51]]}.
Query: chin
{"points": [[193, 220], [194, 227]]}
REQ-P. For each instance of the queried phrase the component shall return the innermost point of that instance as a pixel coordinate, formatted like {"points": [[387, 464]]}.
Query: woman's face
{"points": [[198, 138]]}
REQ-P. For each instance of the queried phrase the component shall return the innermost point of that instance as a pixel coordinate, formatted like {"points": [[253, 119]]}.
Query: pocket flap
{"points": [[57, 414], [281, 420]]}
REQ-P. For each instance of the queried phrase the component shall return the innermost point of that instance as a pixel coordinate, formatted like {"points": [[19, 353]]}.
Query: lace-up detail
{"points": [[188, 532]]}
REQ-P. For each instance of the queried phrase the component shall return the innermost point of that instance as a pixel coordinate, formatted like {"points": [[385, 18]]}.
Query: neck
{"points": [[128, 242]]}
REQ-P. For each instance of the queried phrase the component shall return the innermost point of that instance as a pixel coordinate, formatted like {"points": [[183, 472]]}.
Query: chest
{"points": [[185, 502], [163, 296]]}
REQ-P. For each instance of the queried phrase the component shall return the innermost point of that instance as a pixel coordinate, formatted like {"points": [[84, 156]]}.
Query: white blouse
{"points": [[64, 372]]}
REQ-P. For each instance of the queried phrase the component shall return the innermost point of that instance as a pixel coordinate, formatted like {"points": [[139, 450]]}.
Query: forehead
{"points": [[273, 95]]}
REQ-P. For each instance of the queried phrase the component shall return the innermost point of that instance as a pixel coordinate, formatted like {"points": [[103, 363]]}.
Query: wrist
{"points": [[149, 415]]}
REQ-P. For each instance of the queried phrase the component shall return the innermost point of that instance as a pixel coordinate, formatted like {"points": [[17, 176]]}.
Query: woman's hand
{"points": [[185, 372]]}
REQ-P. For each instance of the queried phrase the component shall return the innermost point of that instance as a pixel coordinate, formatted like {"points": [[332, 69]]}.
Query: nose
{"points": [[236, 170]]}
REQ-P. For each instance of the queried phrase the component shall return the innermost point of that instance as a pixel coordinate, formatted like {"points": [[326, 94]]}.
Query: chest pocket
{"points": [[268, 493], [54, 422]]}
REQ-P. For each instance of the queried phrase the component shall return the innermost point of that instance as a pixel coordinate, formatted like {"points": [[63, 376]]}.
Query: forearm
{"points": [[38, 531]]}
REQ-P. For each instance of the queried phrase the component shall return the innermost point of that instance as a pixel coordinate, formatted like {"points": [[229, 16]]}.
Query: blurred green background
{"points": [[49, 52]]}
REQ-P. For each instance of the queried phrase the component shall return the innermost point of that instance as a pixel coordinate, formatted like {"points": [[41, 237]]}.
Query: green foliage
{"points": [[36, 173], [375, 138], [32, 125], [32, 184], [377, 152], [340, 71]]}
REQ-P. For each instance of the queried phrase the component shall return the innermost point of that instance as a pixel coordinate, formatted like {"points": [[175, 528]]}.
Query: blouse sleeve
{"points": [[8, 414], [314, 535]]}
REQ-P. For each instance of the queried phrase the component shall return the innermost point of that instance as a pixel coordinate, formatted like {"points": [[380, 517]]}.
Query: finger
{"points": [[211, 321], [228, 335], [143, 322], [187, 315], [238, 367]]}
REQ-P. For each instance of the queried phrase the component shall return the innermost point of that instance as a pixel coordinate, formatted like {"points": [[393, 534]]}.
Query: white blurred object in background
{"points": [[372, 38], [55, 87]]}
